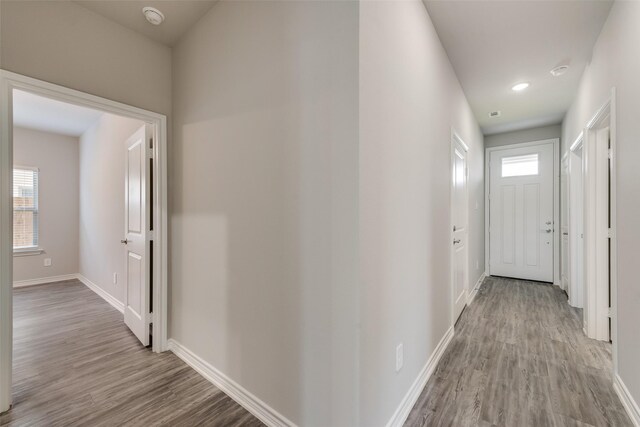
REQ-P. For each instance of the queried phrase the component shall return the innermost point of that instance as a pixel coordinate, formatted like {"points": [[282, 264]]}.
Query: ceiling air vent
{"points": [[495, 114]]}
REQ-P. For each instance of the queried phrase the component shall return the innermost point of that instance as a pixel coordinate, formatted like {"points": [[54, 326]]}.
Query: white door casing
{"points": [[521, 213], [460, 226], [576, 230], [137, 302], [10, 81]]}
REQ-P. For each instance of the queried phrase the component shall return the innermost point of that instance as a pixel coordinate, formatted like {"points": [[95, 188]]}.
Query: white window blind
{"points": [[520, 165], [25, 208]]}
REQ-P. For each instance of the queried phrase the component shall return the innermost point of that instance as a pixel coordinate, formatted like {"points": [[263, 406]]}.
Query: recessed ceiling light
{"points": [[520, 86], [558, 71], [153, 15]]}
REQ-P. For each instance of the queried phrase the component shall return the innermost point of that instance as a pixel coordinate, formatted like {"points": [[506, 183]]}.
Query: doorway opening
{"points": [[522, 211], [29, 198], [592, 221]]}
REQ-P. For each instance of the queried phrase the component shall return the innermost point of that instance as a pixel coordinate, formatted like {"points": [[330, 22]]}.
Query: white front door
{"points": [[521, 215], [137, 302], [460, 228]]}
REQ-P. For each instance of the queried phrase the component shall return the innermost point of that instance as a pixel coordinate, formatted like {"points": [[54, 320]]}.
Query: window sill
{"points": [[27, 252]]}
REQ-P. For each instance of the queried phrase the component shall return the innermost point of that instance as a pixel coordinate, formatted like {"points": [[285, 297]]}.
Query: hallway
{"points": [[519, 358], [77, 364]]}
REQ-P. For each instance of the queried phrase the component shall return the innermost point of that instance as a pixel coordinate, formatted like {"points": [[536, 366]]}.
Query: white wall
{"points": [[56, 157], [62, 42], [615, 63], [101, 220], [409, 100], [526, 135], [264, 202]]}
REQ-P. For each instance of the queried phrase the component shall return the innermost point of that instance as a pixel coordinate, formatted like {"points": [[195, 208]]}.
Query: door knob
{"points": [[548, 230], [456, 241], [124, 242]]}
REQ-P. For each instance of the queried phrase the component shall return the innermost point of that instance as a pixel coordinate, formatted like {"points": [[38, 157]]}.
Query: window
{"points": [[520, 165], [25, 209]]}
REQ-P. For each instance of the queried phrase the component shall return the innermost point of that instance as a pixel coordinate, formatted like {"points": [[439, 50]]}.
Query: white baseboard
{"points": [[629, 404], [43, 280], [401, 414], [102, 293], [475, 289], [244, 398]]}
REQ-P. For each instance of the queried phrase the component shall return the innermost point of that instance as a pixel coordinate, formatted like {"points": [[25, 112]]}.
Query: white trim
{"points": [[10, 81], [17, 252], [43, 280], [556, 201], [235, 391], [578, 142], [402, 412], [630, 405], [117, 304], [476, 288], [576, 293], [613, 200]]}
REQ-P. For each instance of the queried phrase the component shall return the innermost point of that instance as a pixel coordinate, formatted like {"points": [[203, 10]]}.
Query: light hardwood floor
{"points": [[76, 364], [519, 358]]}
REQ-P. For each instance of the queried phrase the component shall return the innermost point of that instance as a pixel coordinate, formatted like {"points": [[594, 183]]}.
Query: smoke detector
{"points": [[153, 15], [558, 71], [495, 114]]}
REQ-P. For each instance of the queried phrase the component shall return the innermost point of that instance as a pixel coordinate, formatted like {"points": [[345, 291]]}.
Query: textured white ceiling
{"points": [[496, 44], [180, 15], [48, 115]]}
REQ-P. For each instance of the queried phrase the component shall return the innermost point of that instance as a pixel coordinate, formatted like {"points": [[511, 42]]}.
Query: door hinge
{"points": [[150, 318], [610, 153], [609, 233], [609, 315], [151, 235]]}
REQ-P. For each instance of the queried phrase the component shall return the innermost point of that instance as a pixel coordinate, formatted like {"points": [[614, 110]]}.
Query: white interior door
{"points": [[521, 212], [137, 302], [460, 228]]}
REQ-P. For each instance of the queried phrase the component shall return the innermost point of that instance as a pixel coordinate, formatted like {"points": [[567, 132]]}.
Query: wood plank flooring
{"points": [[519, 358], [76, 364]]}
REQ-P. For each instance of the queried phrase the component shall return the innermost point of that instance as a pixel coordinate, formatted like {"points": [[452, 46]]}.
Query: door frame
{"points": [[456, 139], [576, 296], [10, 81], [556, 201], [595, 322]]}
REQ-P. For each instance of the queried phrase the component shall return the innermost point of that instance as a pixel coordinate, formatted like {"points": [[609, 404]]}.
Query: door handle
{"points": [[548, 230], [456, 241], [124, 242]]}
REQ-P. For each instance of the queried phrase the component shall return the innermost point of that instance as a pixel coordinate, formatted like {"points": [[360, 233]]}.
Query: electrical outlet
{"points": [[47, 262], [399, 357], [115, 278]]}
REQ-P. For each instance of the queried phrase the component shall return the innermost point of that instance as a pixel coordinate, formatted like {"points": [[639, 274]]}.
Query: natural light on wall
{"points": [[520, 165]]}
